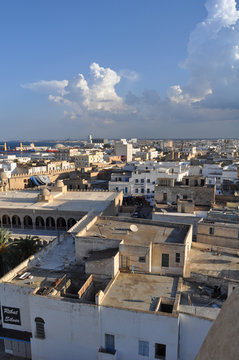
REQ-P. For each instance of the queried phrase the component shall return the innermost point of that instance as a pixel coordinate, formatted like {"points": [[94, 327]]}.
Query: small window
{"points": [[160, 351], [177, 257], [40, 328], [148, 191], [142, 259], [136, 190], [148, 181], [165, 260], [185, 197], [211, 230], [187, 181], [136, 181], [153, 183], [110, 343], [142, 191], [144, 348], [142, 181], [117, 189]]}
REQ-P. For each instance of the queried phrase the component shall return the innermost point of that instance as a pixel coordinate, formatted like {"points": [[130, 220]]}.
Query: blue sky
{"points": [[148, 68]]}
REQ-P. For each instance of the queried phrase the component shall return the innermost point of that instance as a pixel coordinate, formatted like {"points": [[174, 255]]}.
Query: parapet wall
{"points": [[20, 181]]}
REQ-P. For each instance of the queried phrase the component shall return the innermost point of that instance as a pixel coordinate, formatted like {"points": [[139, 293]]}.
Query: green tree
{"points": [[22, 248], [4, 243]]}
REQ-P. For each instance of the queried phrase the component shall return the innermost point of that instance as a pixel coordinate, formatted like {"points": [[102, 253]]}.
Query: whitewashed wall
{"points": [[131, 326], [193, 331]]}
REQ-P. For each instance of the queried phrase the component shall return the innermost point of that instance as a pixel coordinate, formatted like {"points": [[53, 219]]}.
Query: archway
{"points": [[40, 224], [70, 223], [61, 224], [27, 222], [6, 221], [50, 223], [16, 222]]}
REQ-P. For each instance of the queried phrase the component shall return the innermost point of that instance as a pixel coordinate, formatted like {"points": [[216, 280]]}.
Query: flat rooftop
{"points": [[139, 292], [70, 201], [148, 231], [215, 264], [219, 223]]}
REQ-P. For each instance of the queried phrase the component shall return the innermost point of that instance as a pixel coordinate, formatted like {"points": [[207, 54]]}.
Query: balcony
{"points": [[104, 354]]}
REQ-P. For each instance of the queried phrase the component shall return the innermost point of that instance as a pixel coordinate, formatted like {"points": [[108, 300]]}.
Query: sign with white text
{"points": [[11, 315]]}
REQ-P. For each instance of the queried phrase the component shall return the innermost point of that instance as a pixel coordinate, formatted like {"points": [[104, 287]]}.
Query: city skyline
{"points": [[158, 70]]}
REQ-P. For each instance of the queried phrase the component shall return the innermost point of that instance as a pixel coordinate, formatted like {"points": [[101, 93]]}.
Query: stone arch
{"points": [[16, 222], [61, 223], [27, 221], [6, 221], [50, 223], [70, 223], [40, 223]]}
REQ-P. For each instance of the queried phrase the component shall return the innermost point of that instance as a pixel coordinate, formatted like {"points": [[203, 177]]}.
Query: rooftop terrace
{"points": [[69, 201], [145, 231], [140, 292]]}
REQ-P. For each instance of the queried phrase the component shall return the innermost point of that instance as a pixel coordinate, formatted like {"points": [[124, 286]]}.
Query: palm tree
{"points": [[22, 248], [4, 243]]}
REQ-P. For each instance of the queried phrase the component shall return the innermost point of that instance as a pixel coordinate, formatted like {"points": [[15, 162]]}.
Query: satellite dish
{"points": [[133, 228]]}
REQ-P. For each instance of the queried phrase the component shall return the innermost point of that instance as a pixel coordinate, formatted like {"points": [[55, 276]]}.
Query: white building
{"points": [[141, 181], [52, 309], [124, 150], [9, 167]]}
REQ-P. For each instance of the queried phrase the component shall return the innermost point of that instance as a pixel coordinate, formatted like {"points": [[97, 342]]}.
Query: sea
{"points": [[11, 145]]}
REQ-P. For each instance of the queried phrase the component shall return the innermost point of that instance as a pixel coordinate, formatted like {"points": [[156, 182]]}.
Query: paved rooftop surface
{"points": [[214, 264], [70, 201], [138, 291], [145, 233]]}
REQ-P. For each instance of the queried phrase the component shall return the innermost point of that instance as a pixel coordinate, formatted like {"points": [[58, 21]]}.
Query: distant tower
{"points": [[5, 146], [20, 146], [90, 139]]}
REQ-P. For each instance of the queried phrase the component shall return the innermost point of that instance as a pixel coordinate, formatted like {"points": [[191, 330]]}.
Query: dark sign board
{"points": [[11, 315]]}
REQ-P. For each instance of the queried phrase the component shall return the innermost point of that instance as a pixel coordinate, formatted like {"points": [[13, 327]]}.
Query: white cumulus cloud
{"points": [[96, 94], [58, 87], [213, 58]]}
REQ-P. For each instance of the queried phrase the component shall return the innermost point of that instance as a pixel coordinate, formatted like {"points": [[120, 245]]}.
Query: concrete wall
{"points": [[66, 333], [107, 267], [131, 326], [84, 245], [131, 254], [17, 297], [172, 249], [184, 206], [202, 195], [188, 244], [224, 235], [193, 331], [115, 205], [188, 219]]}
